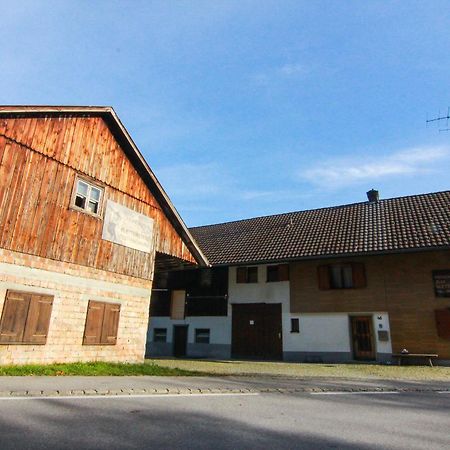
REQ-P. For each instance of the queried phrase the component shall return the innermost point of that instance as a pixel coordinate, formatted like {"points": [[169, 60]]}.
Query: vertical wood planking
{"points": [[35, 194]]}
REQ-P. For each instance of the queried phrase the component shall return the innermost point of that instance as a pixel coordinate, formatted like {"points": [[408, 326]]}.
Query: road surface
{"points": [[400, 420]]}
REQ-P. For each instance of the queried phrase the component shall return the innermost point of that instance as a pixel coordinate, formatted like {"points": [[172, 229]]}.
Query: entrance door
{"points": [[256, 331], [180, 333], [363, 346]]}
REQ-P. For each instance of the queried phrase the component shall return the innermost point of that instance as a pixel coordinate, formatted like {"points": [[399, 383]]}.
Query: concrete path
{"points": [[148, 385]]}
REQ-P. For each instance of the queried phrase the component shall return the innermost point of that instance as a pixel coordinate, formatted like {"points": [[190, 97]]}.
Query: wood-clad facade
{"points": [[40, 158], [43, 152], [399, 285]]}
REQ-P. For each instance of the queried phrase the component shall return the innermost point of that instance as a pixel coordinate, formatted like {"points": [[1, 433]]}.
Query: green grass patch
{"points": [[95, 369]]}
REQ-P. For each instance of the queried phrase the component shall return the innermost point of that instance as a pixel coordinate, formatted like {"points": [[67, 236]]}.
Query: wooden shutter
{"points": [[443, 323], [241, 275], [94, 323], [359, 275], [14, 317], [110, 324], [38, 320], [177, 305], [323, 273], [283, 272]]}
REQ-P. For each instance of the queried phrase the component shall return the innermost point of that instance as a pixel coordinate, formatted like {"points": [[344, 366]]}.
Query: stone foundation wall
{"points": [[72, 286]]}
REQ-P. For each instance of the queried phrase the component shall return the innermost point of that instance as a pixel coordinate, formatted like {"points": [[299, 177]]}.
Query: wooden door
{"points": [[257, 331], [180, 334], [362, 336]]}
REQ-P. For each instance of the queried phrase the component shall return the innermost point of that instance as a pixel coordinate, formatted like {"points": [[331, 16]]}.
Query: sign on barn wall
{"points": [[126, 227], [441, 280]]}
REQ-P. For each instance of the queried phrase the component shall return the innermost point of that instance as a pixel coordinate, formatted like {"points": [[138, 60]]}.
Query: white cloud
{"points": [[289, 70], [283, 72], [189, 181], [347, 171]]}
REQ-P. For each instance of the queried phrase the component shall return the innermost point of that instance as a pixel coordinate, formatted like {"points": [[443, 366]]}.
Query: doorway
{"points": [[257, 331], [180, 335], [362, 338]]}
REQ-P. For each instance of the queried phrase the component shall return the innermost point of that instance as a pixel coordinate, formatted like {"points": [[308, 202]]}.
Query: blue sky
{"points": [[248, 108]]}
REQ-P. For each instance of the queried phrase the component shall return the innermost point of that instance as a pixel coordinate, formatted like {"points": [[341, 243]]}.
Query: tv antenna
{"points": [[439, 119]]}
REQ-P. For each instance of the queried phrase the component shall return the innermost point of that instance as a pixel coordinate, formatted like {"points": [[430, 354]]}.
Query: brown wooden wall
{"points": [[39, 159], [401, 285]]}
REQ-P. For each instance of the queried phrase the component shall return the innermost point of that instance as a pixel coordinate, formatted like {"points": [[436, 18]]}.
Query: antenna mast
{"points": [[439, 118]]}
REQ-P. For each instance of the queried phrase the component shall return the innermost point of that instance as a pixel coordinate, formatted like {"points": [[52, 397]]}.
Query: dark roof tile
{"points": [[397, 224]]}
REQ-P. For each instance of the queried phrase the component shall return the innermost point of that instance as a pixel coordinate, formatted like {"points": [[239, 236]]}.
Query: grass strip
{"points": [[94, 369]]}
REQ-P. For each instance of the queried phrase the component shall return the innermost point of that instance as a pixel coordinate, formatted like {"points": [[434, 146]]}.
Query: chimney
{"points": [[373, 196]]}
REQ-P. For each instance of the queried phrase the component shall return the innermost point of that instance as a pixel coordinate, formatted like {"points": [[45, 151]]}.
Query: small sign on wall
{"points": [[126, 227], [441, 279]]}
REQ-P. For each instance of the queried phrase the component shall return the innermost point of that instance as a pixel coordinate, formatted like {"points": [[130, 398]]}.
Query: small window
{"points": [[247, 274], [87, 197], [279, 272], [102, 323], [160, 335], [295, 325], [25, 318], [202, 335], [341, 276]]}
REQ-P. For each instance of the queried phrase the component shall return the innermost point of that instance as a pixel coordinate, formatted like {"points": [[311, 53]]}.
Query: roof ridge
{"points": [[249, 219]]}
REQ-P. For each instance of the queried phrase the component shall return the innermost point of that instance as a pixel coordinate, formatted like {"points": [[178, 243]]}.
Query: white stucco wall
{"points": [[321, 332], [220, 328], [330, 332]]}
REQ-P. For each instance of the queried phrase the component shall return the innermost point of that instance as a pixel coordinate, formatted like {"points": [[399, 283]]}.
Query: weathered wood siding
{"points": [[39, 160], [401, 285]]}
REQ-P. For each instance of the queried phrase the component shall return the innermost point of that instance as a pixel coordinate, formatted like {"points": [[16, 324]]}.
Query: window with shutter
{"points": [[102, 323], [247, 274], [110, 324], [279, 272], [323, 273], [25, 318], [342, 276], [38, 319], [443, 323]]}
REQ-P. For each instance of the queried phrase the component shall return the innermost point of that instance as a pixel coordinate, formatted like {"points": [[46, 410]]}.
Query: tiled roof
{"points": [[416, 222]]}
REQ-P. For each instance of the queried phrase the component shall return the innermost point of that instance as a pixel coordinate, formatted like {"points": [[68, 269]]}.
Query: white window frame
{"points": [[91, 185]]}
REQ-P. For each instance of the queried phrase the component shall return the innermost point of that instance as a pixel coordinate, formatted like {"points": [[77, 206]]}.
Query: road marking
{"points": [[443, 392], [125, 396], [355, 393]]}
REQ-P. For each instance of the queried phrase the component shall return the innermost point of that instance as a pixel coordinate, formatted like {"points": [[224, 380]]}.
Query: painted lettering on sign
{"points": [[126, 227], [442, 283]]}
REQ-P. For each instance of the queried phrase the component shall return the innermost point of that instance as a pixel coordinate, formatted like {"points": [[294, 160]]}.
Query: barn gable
{"points": [[42, 151]]}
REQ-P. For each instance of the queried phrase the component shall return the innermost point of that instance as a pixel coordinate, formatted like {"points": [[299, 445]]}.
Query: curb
{"points": [[186, 391]]}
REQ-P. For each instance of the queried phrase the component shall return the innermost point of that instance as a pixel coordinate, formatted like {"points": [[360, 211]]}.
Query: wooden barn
{"points": [[84, 224]]}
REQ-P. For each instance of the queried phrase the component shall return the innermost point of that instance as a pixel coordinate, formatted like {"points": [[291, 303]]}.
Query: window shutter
{"points": [[38, 320], [283, 272], [94, 322], [443, 323], [359, 275], [178, 303], [14, 316], [110, 324], [323, 273], [241, 275]]}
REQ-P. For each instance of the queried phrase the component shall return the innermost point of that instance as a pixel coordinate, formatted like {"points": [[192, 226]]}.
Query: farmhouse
{"points": [[84, 224], [353, 282]]}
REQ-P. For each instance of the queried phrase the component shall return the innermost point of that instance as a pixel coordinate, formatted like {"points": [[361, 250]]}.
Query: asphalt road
{"points": [[229, 421]]}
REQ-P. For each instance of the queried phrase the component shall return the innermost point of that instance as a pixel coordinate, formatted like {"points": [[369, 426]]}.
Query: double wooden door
{"points": [[362, 336], [257, 331]]}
